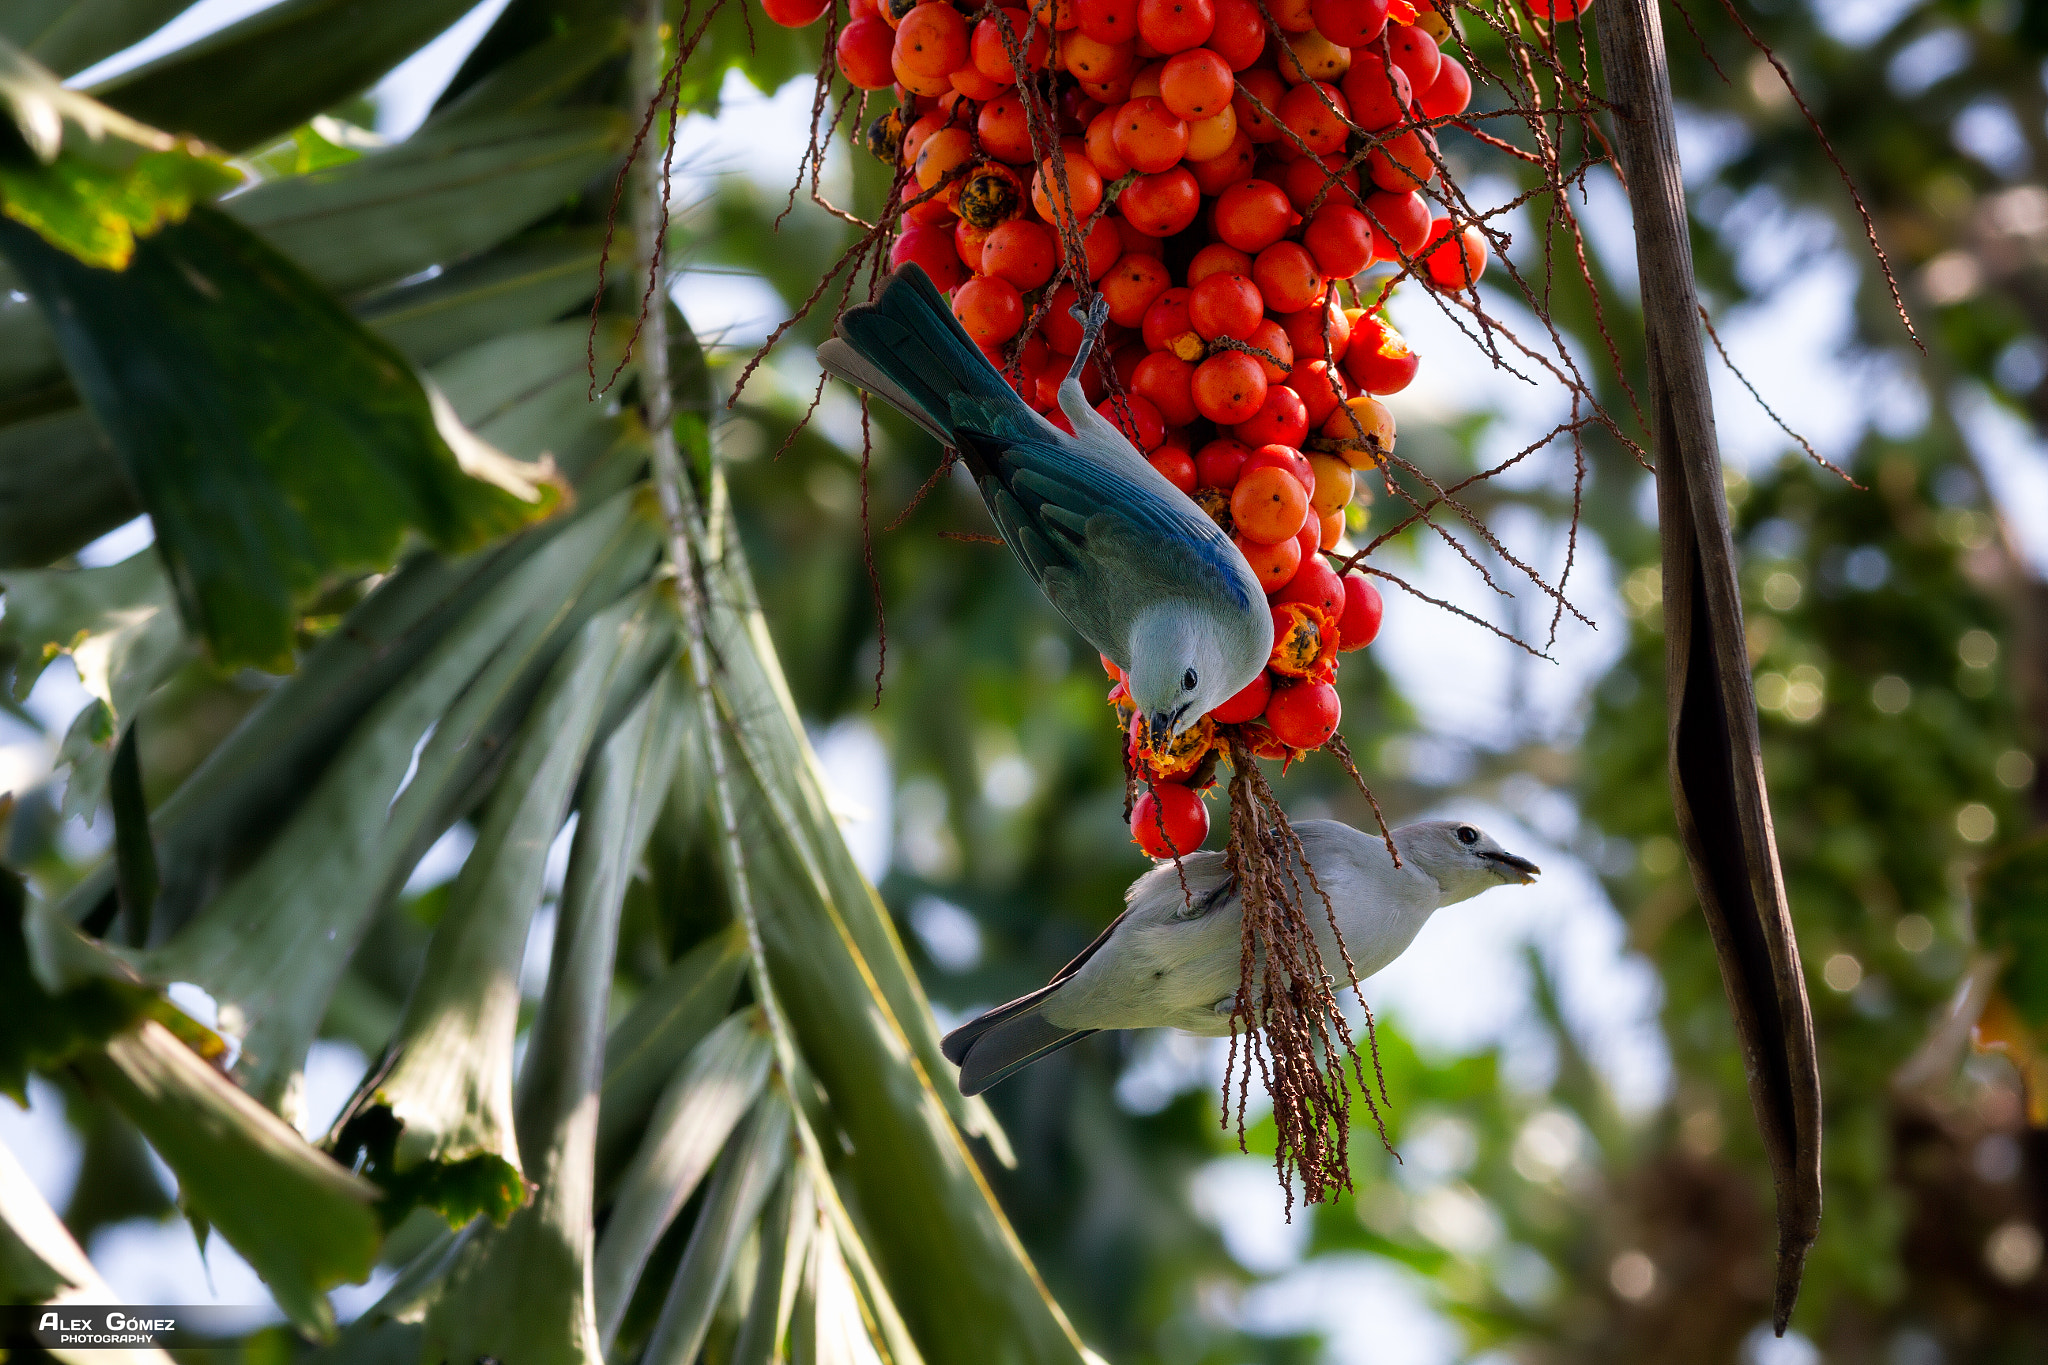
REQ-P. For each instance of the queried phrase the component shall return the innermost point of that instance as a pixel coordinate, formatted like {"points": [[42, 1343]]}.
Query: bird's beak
{"points": [[1514, 869], [1158, 729]]}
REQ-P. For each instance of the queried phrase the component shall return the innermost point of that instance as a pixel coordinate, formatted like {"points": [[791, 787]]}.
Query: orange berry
{"points": [[1151, 137], [1229, 387], [1268, 506], [1132, 285], [931, 41], [1218, 258], [1366, 425], [1196, 84], [1083, 191], [1020, 251], [1273, 565], [990, 309]]}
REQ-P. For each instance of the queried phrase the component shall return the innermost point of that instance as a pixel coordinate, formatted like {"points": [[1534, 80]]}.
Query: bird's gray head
{"points": [[1178, 673], [1464, 859]]}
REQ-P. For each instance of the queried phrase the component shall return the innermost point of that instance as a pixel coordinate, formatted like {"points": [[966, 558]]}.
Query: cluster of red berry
{"points": [[1215, 186]]}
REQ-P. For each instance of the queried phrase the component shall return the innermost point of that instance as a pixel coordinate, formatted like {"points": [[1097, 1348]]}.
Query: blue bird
{"points": [[1131, 563]]}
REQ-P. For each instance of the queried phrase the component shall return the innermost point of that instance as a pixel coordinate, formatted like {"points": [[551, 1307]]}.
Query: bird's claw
{"points": [[1091, 315]]}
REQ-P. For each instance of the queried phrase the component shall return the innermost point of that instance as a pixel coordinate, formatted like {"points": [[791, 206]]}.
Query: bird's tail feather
{"points": [[907, 348], [1004, 1041]]}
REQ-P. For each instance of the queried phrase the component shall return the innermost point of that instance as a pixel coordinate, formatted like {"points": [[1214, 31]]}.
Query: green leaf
{"points": [[529, 393], [522, 1292], [944, 1248], [102, 618], [794, 790], [41, 1030], [444, 1095], [746, 1175], [2012, 917], [438, 197], [768, 53], [668, 1021], [135, 874], [526, 282], [329, 450], [91, 181], [70, 35], [40, 1261], [118, 627], [890, 1337], [708, 1095], [544, 75], [786, 1227], [61, 486], [253, 80], [304, 1223], [270, 948]]}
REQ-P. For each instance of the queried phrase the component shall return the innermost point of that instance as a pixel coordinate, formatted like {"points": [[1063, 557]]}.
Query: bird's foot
{"points": [[1091, 315]]}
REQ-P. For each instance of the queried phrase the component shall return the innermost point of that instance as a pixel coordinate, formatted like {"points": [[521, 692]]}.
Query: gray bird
{"points": [[1171, 959], [1131, 563]]}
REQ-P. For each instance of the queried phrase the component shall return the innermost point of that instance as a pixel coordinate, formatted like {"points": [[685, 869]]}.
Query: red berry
{"points": [[1020, 251], [1166, 319], [1240, 33], [1305, 330], [794, 13], [1448, 95], [1218, 259], [1321, 388], [1400, 218], [1253, 214], [863, 50], [1107, 21], [990, 309], [1340, 239], [1360, 623], [1379, 95], [1454, 260], [1283, 457], [1310, 540], [1174, 463], [1416, 53], [1281, 420], [1167, 380], [1249, 704], [1131, 287], [1229, 387], [1175, 25], [1161, 205], [1218, 463], [1304, 714], [1288, 279], [931, 248], [1316, 585], [1349, 23], [1226, 305], [1169, 819], [1136, 418], [1378, 360]]}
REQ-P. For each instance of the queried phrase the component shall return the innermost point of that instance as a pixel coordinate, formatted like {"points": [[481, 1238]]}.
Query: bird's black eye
{"points": [[1467, 835], [1188, 681]]}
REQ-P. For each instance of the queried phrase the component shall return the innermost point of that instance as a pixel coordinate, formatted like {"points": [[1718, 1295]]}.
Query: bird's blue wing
{"points": [[1094, 539]]}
